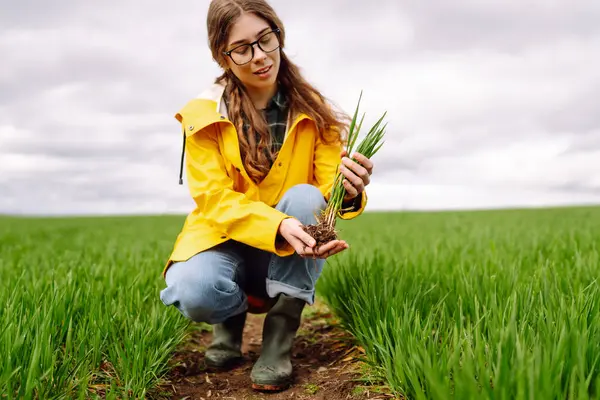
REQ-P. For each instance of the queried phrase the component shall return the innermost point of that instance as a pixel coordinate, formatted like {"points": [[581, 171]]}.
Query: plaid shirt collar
{"points": [[275, 111], [278, 100], [276, 114]]}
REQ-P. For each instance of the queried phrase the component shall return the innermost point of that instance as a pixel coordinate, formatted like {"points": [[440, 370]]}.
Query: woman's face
{"points": [[258, 72]]}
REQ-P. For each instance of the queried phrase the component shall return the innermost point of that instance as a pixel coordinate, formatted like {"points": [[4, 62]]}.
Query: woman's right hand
{"points": [[304, 244]]}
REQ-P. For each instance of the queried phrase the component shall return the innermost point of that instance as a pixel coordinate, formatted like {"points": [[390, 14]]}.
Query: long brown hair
{"points": [[301, 96]]}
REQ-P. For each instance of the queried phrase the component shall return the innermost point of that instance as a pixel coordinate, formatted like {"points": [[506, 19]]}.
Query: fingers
{"points": [[331, 248], [305, 238], [359, 175], [341, 246], [325, 248], [351, 190], [298, 245], [304, 244], [364, 161], [293, 232], [355, 180], [297, 232]]}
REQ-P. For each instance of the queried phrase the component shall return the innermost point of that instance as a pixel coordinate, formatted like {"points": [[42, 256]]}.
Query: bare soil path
{"points": [[327, 365]]}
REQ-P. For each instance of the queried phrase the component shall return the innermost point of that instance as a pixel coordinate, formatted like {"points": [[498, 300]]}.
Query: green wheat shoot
{"points": [[324, 231]]}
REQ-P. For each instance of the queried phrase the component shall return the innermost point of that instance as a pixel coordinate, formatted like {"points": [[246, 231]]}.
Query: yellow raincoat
{"points": [[229, 205]]}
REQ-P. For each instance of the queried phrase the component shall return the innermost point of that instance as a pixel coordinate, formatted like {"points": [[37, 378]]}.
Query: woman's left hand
{"points": [[358, 175]]}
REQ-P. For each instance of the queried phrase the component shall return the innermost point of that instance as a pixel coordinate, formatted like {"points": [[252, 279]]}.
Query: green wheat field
{"points": [[466, 305]]}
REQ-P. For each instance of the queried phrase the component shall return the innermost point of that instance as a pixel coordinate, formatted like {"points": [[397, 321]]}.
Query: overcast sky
{"points": [[490, 103]]}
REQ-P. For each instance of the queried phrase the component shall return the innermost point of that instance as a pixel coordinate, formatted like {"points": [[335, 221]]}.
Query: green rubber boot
{"points": [[226, 347], [273, 369]]}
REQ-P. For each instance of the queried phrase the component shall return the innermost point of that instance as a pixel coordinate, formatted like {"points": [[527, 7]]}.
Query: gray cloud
{"points": [[586, 143], [580, 115], [494, 97], [585, 187], [32, 14], [503, 25]]}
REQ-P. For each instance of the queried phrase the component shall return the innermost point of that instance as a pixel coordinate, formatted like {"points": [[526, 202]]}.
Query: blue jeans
{"points": [[211, 286]]}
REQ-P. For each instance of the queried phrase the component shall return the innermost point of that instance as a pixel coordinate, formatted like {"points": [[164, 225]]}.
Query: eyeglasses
{"points": [[244, 53]]}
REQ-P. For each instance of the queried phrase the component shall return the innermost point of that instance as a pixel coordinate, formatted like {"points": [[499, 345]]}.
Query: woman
{"points": [[262, 149]]}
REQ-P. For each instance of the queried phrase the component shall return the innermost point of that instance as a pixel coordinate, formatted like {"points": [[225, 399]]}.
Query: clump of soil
{"points": [[327, 365], [321, 232]]}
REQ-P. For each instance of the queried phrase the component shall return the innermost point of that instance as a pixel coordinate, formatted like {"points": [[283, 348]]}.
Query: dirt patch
{"points": [[327, 365]]}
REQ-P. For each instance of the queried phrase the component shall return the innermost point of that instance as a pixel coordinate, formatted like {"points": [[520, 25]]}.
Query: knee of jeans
{"points": [[303, 202], [206, 298]]}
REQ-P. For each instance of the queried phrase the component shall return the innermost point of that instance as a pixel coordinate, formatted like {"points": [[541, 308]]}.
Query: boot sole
{"points": [[270, 387]]}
